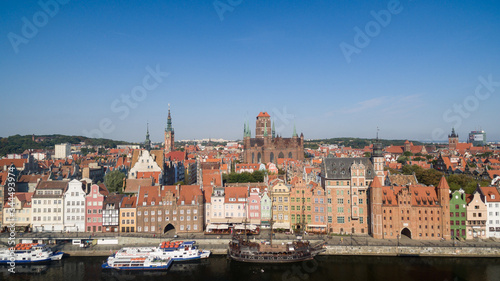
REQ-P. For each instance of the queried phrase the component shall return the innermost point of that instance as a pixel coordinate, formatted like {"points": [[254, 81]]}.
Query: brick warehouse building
{"points": [[163, 208], [417, 211], [266, 146]]}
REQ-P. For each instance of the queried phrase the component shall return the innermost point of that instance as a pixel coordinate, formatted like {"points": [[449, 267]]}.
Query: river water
{"points": [[322, 268]]}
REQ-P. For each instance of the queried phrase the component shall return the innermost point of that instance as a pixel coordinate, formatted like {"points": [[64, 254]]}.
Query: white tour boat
{"points": [[177, 251], [141, 263], [29, 253]]}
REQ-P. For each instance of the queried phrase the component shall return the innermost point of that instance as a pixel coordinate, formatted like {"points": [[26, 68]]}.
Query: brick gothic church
{"points": [[266, 147]]}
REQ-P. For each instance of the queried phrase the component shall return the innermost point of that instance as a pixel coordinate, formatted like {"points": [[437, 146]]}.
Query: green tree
{"points": [[408, 153], [402, 159], [114, 181]]}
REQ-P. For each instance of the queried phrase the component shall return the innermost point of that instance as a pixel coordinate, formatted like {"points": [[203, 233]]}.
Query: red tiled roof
{"points": [[52, 185], [129, 202], [263, 114], [17, 162], [176, 155], [132, 185], [491, 193], [149, 194], [236, 192]]}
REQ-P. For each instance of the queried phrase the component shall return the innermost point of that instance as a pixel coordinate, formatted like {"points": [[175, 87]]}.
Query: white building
{"points": [[214, 210], [74, 207], [47, 206], [62, 151], [492, 200], [147, 164]]}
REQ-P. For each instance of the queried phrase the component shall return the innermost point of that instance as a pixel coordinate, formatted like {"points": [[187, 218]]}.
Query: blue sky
{"points": [[415, 78]]}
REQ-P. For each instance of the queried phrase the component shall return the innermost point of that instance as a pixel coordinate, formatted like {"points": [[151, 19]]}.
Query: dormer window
{"points": [[492, 196]]}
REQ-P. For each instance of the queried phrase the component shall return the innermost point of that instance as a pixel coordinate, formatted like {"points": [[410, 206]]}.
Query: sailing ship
{"points": [[242, 250]]}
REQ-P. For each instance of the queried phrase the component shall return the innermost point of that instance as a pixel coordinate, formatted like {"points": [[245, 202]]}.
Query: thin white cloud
{"points": [[384, 104]]}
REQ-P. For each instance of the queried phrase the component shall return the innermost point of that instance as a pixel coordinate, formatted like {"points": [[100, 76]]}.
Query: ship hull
{"points": [[269, 259]]}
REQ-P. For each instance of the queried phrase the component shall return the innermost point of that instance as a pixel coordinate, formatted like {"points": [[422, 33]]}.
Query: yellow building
{"points": [[21, 211], [128, 216], [281, 205]]}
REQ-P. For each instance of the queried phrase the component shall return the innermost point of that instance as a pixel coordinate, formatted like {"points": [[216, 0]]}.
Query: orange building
{"points": [[416, 211]]}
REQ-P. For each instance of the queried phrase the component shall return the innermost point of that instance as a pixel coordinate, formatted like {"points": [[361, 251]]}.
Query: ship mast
{"points": [[271, 221], [303, 221], [246, 216]]}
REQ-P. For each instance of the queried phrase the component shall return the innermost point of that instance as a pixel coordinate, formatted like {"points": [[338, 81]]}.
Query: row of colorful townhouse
{"points": [[342, 207]]}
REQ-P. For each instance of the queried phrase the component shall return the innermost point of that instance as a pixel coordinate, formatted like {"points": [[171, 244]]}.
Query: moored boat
{"points": [[140, 263], [176, 250], [296, 251], [29, 253]]}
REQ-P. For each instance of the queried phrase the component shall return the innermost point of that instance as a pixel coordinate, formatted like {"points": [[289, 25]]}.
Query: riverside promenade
{"points": [[336, 245]]}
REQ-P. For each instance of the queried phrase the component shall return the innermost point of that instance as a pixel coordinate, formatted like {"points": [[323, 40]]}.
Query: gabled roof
{"points": [[52, 185], [114, 199], [132, 185], [176, 156], [31, 178], [236, 192], [129, 202], [399, 179], [263, 114], [340, 168], [103, 190], [490, 193], [23, 197], [190, 193], [19, 163]]}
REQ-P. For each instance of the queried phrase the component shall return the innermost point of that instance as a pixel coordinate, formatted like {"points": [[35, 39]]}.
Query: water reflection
{"points": [[323, 268]]}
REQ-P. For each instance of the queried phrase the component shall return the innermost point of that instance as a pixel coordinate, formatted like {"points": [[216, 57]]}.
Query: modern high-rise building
{"points": [[62, 150], [477, 138]]}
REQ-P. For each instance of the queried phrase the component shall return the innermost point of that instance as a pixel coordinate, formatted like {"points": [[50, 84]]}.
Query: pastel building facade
{"points": [[48, 206], [94, 207], [74, 207]]}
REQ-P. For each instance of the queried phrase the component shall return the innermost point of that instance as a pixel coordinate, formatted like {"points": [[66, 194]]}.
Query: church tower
{"points": [[376, 195], [378, 160], [263, 125], [147, 142], [452, 140], [443, 194], [169, 134]]}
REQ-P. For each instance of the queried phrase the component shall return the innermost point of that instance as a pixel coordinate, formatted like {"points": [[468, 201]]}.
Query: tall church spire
{"points": [[169, 134], [147, 142], [265, 129], [169, 120], [273, 131], [294, 131]]}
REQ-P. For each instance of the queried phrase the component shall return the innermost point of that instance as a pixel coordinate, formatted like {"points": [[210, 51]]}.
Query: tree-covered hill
{"points": [[354, 142], [18, 143]]}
